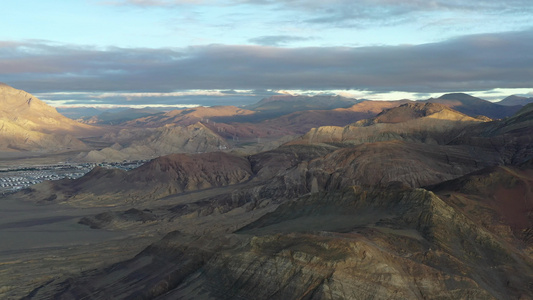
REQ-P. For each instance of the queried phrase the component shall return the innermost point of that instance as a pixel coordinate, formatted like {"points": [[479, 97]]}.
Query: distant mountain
{"points": [[190, 116], [121, 116], [411, 111], [140, 143], [302, 121], [473, 106], [79, 112], [29, 124], [285, 104], [232, 122], [515, 100], [425, 122]]}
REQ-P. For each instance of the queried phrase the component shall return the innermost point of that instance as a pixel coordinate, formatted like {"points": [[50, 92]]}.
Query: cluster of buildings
{"points": [[15, 179]]}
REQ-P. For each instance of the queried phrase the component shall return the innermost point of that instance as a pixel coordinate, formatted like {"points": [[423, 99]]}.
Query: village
{"points": [[14, 179]]}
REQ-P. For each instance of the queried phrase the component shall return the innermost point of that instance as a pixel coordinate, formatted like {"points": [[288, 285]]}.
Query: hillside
{"points": [[136, 143], [29, 124], [302, 121], [283, 104], [474, 106], [158, 178], [515, 100], [425, 122]]}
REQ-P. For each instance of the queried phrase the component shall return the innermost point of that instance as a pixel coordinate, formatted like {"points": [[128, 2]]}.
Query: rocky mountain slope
{"points": [[511, 137], [160, 177], [515, 100], [424, 122], [422, 150], [302, 121], [357, 243], [28, 124], [110, 118], [137, 143], [501, 197], [190, 116], [474, 106]]}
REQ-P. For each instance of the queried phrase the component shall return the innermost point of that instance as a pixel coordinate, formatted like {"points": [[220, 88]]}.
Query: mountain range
{"points": [[388, 200]]}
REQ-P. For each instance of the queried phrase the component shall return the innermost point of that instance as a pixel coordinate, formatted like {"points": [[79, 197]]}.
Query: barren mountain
{"points": [[190, 116], [511, 137], [302, 121], [27, 123], [501, 197], [474, 106], [423, 122], [114, 118], [283, 104], [26, 110], [359, 243], [137, 143], [160, 177], [235, 123], [514, 100], [79, 112]]}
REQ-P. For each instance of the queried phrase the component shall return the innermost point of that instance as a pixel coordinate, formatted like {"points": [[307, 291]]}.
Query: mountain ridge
{"points": [[29, 124]]}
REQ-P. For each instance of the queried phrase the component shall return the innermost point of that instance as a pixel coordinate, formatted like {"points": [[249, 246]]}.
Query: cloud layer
{"points": [[475, 62]]}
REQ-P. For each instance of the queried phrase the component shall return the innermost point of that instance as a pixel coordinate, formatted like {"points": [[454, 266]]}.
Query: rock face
{"points": [[149, 143], [28, 124], [351, 244]]}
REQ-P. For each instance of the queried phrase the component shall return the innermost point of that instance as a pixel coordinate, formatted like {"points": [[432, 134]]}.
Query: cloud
{"points": [[469, 63], [277, 40], [351, 12]]}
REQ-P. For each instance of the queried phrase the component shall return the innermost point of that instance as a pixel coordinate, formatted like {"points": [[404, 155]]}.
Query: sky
{"points": [[234, 52]]}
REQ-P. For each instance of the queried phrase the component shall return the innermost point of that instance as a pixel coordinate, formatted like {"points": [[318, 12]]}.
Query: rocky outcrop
{"points": [[356, 243]]}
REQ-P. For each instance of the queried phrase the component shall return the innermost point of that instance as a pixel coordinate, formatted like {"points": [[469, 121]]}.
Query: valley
{"points": [[294, 197]]}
